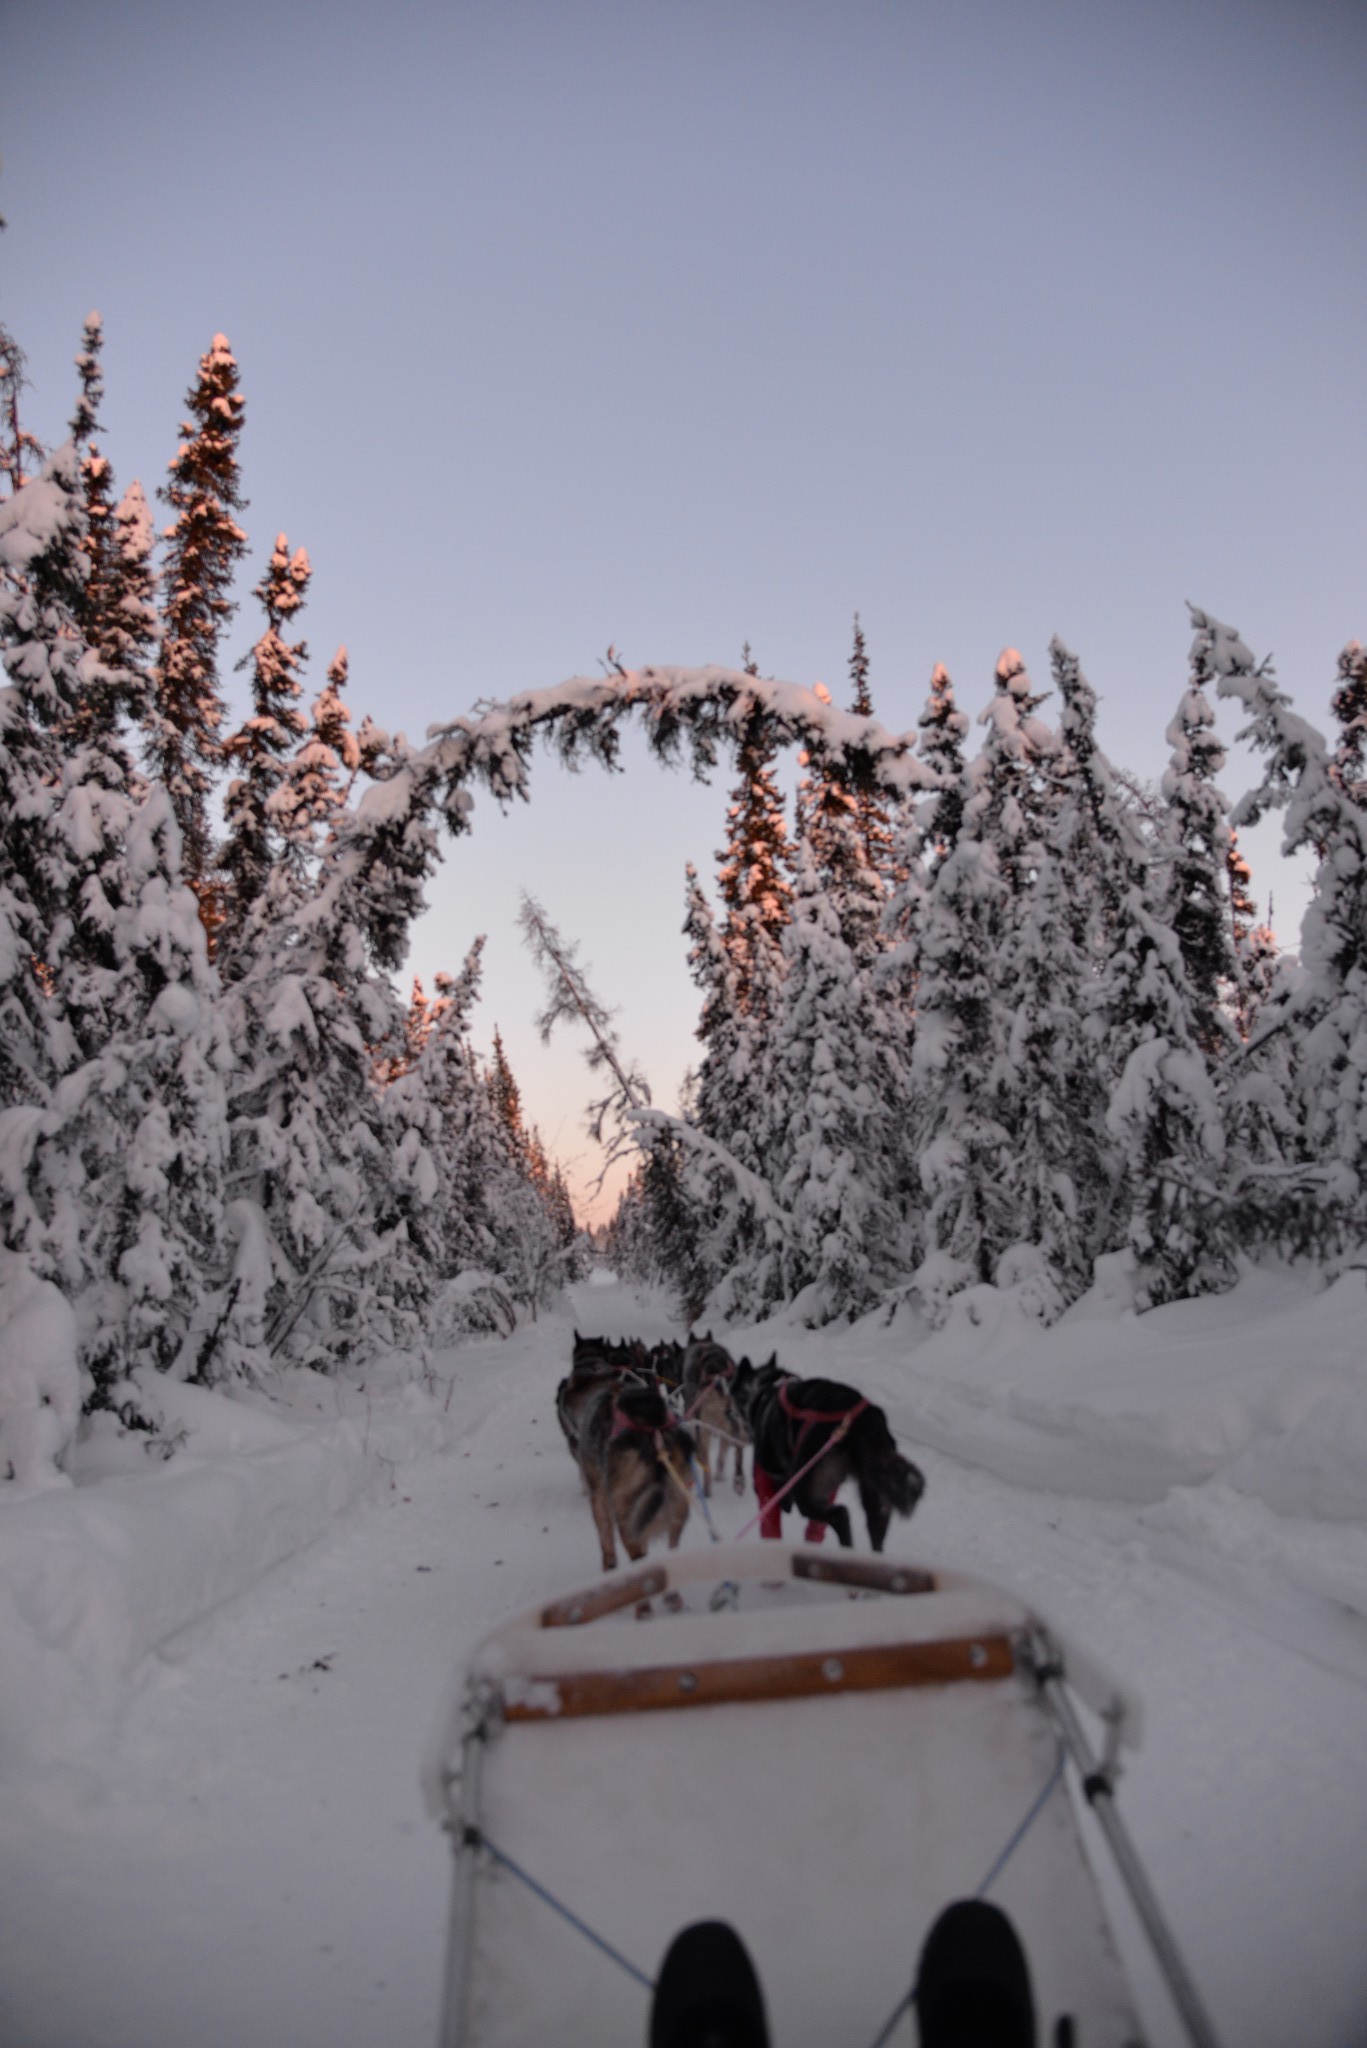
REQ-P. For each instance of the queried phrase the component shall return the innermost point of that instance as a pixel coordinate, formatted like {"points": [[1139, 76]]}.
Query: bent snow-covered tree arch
{"points": [[388, 848]]}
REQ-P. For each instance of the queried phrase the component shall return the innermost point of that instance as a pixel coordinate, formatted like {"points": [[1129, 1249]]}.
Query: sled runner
{"points": [[823, 1751]]}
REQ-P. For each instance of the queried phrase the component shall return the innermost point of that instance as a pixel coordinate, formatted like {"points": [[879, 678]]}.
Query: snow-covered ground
{"points": [[217, 1675]]}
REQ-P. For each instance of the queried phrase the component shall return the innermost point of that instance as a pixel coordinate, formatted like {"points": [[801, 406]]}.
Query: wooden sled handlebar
{"points": [[871, 1669]]}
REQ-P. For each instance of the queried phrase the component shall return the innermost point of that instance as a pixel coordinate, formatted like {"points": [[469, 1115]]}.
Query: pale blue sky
{"points": [[678, 324]]}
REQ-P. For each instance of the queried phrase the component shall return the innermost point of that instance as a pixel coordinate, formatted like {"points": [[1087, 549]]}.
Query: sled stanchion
{"points": [[1048, 1673], [465, 1836]]}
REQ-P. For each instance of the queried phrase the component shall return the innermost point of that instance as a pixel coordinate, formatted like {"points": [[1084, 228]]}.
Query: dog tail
{"points": [[883, 1469]]}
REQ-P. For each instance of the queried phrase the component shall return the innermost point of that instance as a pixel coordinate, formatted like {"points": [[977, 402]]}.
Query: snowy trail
{"points": [[247, 1858]]}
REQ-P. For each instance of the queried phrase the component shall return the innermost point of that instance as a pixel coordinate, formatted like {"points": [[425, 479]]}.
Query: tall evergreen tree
{"points": [[1349, 705], [753, 869], [943, 728], [259, 749], [42, 575], [1194, 845], [877, 839], [829, 1162], [330, 756], [111, 1178], [205, 543], [506, 1098], [134, 1159], [1327, 1012], [21, 453]]}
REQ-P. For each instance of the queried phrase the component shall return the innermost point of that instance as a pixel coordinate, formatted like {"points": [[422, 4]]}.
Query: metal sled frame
{"points": [[549, 1665]]}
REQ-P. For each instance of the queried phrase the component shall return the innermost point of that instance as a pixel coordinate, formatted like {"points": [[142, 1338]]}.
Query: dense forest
{"points": [[974, 1018]]}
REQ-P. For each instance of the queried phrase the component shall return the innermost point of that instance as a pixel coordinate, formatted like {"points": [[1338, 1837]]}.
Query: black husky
{"points": [[794, 1422]]}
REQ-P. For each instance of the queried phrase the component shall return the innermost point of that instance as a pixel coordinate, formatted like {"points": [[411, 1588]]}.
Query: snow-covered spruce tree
{"points": [[21, 453], [116, 613], [877, 838], [458, 1187], [831, 827], [1324, 1016], [943, 729], [112, 1183], [970, 958], [505, 1097], [1059, 1167], [42, 573], [958, 1140], [708, 1231], [1349, 706], [1194, 846], [1163, 1117], [828, 1162], [754, 865], [1008, 784], [673, 1222], [131, 1166], [323, 770], [929, 829], [258, 751], [205, 543], [318, 1214]]}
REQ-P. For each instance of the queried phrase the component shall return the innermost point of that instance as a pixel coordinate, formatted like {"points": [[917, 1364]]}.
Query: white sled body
{"points": [[825, 1766]]}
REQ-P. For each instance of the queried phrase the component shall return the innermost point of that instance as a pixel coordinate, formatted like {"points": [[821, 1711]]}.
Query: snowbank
{"points": [[95, 1576], [40, 1380], [1265, 1386], [1256, 1398]]}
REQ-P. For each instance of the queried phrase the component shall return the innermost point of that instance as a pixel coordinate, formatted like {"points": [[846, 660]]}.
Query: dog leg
{"points": [[602, 1519], [771, 1511], [877, 1514], [824, 1514]]}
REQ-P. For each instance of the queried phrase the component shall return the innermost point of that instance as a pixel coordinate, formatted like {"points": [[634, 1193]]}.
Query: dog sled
{"points": [[823, 1751]]}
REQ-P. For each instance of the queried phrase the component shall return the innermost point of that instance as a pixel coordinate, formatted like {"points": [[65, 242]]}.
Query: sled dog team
{"points": [[643, 1423]]}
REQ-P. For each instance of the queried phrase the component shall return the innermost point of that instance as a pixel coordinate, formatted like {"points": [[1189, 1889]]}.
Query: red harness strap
{"points": [[808, 1419], [811, 1415], [623, 1425]]}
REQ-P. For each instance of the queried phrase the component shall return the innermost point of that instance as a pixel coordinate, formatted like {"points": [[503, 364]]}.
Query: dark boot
{"points": [[973, 1984], [707, 1994]]}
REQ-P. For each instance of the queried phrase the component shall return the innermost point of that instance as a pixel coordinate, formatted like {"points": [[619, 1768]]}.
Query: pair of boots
{"points": [[972, 1987]]}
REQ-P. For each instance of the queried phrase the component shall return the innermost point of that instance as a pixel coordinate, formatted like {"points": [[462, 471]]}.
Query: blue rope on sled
{"points": [[475, 1838], [1037, 1807]]}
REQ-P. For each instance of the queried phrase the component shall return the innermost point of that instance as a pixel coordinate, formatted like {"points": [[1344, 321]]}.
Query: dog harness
{"points": [[626, 1425], [809, 1418], [770, 1492]]}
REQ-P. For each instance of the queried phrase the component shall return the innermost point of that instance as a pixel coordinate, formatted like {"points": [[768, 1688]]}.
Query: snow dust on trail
{"points": [[246, 1858]]}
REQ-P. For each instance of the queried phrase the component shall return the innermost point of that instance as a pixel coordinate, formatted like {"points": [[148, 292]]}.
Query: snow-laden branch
{"points": [[568, 999], [385, 850], [700, 710], [749, 1186]]}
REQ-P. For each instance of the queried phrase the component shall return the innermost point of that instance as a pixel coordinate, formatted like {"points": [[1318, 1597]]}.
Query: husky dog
{"points": [[791, 1421], [665, 1360], [708, 1370], [634, 1457], [594, 1363]]}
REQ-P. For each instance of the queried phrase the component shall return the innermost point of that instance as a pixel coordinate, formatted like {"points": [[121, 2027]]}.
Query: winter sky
{"points": [[676, 325]]}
